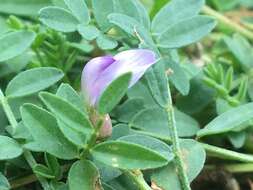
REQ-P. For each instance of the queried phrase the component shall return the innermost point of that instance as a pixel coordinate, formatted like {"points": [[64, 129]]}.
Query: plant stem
{"points": [[13, 122], [32, 162], [19, 182], [175, 144], [93, 138], [70, 61], [228, 22], [233, 168], [227, 154], [40, 58], [8, 112], [23, 181], [173, 130], [138, 179]]}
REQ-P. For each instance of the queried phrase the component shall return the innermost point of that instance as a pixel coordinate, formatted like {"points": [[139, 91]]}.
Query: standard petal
{"points": [[92, 71], [135, 61]]}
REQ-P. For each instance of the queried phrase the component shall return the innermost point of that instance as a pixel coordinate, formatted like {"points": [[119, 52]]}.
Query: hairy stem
{"points": [[228, 22], [172, 129], [13, 122], [175, 145]]}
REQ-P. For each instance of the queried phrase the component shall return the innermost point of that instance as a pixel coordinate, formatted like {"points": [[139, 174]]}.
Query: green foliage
{"points": [[88, 32], [44, 129], [79, 9], [199, 90], [151, 143], [73, 123], [174, 12], [66, 92], [186, 32], [4, 184], [23, 7], [14, 44], [83, 170], [113, 93], [116, 154], [166, 177], [186, 125], [235, 119], [58, 19], [101, 10], [32, 81], [9, 148]]}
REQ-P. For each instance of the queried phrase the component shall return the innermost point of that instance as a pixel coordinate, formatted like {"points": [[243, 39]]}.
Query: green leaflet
{"points": [[79, 9], [186, 32], [23, 7], [45, 131], [174, 12], [117, 154], [83, 175], [32, 81], [15, 43], [4, 184], [9, 148], [235, 119], [73, 123], [58, 19], [113, 93]]}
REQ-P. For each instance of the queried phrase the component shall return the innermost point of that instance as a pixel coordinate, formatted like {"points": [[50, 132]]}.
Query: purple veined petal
{"points": [[135, 61], [92, 71]]}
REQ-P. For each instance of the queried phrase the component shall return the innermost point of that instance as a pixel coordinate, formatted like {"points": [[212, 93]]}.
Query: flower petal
{"points": [[135, 61], [92, 71]]}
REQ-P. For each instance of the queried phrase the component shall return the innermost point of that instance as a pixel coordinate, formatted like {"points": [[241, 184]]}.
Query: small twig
{"points": [[22, 181], [233, 168], [228, 22], [228, 154]]}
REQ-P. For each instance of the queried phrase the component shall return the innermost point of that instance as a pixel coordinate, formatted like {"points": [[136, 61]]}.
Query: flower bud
{"points": [[106, 128]]}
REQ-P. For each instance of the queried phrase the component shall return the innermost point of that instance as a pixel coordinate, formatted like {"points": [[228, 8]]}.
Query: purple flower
{"points": [[99, 72]]}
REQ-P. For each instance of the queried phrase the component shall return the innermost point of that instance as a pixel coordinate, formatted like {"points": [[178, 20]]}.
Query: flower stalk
{"points": [[94, 136]]}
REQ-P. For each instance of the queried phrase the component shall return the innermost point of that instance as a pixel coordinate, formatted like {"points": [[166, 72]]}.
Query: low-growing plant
{"points": [[124, 95]]}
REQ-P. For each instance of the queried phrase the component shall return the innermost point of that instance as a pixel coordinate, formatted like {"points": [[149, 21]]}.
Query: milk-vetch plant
{"points": [[124, 95]]}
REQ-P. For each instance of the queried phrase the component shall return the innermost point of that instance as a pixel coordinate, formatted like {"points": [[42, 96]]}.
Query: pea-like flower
{"points": [[99, 72]]}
